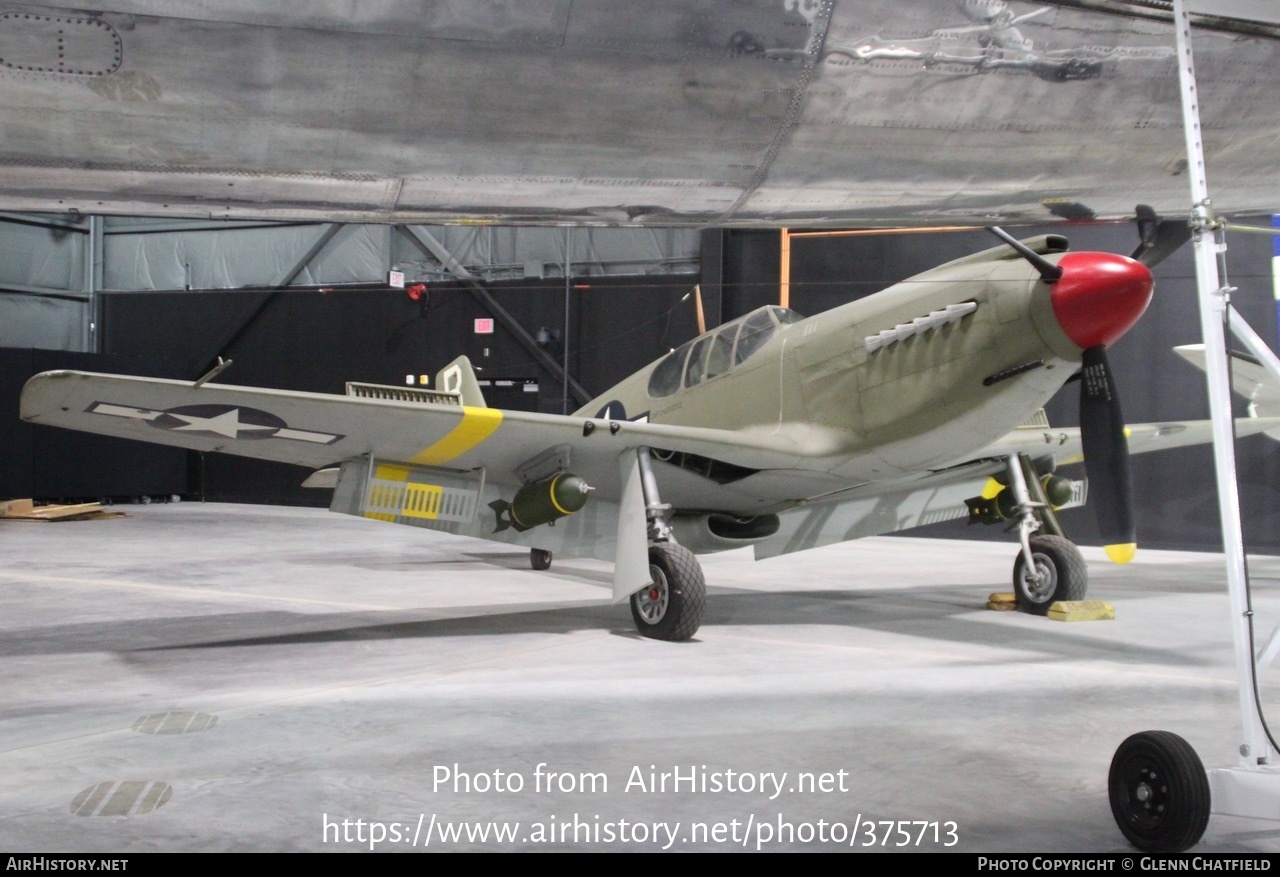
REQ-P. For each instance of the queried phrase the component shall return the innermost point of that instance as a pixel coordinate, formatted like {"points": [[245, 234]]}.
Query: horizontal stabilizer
{"points": [[323, 478], [1249, 378]]}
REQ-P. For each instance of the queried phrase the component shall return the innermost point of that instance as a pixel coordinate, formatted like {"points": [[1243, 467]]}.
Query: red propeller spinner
{"points": [[1099, 296]]}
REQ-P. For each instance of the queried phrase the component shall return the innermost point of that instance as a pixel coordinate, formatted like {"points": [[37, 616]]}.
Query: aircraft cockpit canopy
{"points": [[718, 352]]}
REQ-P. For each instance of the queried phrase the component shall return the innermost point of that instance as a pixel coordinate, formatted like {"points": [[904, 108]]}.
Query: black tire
{"points": [[1067, 576], [539, 559], [1159, 792], [671, 607]]}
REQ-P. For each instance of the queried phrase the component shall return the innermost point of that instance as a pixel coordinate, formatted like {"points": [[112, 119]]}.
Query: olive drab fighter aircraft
{"points": [[914, 405]]}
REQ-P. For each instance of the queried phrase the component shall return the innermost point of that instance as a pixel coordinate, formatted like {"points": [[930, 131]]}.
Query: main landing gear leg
{"points": [[1049, 568], [671, 607]]}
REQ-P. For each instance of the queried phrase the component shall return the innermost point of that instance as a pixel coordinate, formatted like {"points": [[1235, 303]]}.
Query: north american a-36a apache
{"points": [[917, 404]]}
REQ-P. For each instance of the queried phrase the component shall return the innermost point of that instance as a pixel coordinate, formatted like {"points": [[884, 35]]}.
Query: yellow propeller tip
{"points": [[1122, 553]]}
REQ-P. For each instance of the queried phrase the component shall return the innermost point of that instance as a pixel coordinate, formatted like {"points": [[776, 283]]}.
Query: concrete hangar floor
{"points": [[208, 677]]}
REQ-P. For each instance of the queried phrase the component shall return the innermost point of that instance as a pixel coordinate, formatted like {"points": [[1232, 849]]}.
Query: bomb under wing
{"points": [[541, 503]]}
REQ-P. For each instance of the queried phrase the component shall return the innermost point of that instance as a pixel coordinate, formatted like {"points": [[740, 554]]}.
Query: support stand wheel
{"points": [[539, 559], [1159, 792]]}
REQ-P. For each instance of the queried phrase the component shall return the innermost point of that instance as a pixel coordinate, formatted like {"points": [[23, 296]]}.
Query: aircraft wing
{"points": [[1065, 446], [319, 430], [440, 466], [888, 507]]}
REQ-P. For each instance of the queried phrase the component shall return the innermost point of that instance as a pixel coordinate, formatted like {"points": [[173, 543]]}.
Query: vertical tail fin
{"points": [[460, 377]]}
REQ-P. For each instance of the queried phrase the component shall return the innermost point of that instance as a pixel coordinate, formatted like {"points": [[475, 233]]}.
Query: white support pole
{"points": [[1214, 298], [1249, 789]]}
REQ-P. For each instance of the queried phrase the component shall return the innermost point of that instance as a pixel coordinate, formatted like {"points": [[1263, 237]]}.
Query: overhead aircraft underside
{"points": [[716, 112]]}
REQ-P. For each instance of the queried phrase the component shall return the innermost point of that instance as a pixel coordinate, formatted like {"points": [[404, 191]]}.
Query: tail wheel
{"points": [[1159, 792], [671, 606], [1060, 574], [539, 559]]}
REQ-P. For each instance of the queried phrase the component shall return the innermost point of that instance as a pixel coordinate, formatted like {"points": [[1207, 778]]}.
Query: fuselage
{"points": [[912, 379]]}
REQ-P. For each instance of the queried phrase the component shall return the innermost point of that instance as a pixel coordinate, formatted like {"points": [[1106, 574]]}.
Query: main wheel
{"points": [[1159, 792], [671, 606], [1062, 575], [539, 559]]}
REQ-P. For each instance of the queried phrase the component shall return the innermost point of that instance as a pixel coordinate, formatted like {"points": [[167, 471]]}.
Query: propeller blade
{"points": [[1106, 456], [1049, 272], [1158, 238]]}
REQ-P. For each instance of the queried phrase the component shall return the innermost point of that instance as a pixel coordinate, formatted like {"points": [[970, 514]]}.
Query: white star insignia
{"points": [[227, 423]]}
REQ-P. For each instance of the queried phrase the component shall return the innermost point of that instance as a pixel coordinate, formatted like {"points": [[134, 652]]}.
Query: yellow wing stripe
{"points": [[477, 425]]}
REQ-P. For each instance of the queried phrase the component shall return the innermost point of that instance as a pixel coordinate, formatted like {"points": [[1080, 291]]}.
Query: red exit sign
{"points": [[484, 325]]}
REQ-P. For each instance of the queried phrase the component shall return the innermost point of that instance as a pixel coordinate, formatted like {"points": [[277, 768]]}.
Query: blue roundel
{"points": [[614, 410]]}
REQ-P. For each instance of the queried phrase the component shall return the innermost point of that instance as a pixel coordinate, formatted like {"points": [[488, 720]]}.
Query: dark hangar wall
{"points": [[317, 340], [58, 464]]}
